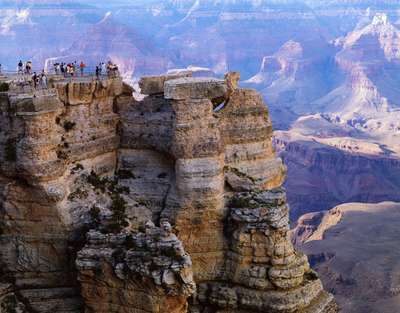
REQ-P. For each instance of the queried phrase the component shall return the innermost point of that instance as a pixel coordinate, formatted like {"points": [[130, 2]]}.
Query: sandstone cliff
{"points": [[92, 179]]}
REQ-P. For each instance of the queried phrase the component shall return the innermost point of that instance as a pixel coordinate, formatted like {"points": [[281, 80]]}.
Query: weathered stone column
{"points": [[198, 150]]}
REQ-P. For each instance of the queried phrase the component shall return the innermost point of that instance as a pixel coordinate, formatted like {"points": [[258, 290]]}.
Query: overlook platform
{"points": [[23, 84]]}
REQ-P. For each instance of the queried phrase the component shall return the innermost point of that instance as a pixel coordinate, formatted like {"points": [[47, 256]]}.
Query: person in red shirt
{"points": [[82, 67]]}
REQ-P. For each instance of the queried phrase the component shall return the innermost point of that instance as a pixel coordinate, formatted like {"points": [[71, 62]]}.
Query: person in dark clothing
{"points": [[34, 80], [62, 68], [20, 67]]}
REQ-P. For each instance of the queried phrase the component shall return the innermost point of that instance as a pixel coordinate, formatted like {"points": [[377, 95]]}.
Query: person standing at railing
{"points": [[28, 67], [62, 69], [82, 67], [57, 68], [20, 67], [34, 80], [109, 68], [44, 80], [103, 68], [98, 71]]}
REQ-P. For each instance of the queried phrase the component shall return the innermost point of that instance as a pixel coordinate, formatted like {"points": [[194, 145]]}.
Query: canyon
{"points": [[325, 171], [329, 74], [347, 149], [353, 247], [184, 184], [172, 203]]}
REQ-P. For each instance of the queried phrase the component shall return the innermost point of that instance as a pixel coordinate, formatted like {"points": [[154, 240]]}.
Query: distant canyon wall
{"points": [[320, 176]]}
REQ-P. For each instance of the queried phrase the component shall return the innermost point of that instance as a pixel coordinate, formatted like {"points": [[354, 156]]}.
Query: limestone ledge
{"points": [[261, 209], [242, 299]]}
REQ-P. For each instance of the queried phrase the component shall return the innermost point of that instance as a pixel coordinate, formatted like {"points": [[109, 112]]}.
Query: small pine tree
{"points": [[4, 87], [10, 150], [94, 213], [119, 218]]}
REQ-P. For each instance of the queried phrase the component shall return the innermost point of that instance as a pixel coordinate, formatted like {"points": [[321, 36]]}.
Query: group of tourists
{"points": [[39, 80], [69, 69], [73, 69], [24, 67], [28, 78], [35, 81], [110, 69]]}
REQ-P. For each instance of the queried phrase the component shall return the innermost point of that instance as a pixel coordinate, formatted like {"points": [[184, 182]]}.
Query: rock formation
{"points": [[92, 179]]}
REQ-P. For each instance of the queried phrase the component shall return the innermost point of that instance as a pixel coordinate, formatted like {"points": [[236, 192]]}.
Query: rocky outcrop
{"points": [[146, 271], [312, 226], [196, 154], [44, 135]]}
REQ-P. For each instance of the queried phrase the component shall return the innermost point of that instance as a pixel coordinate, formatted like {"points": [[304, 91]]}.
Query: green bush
{"points": [[125, 174], [97, 182], [94, 213], [78, 194], [9, 304], [119, 217], [68, 125], [10, 150], [61, 154], [77, 168], [4, 87]]}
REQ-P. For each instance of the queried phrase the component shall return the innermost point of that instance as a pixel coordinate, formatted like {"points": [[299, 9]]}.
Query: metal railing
{"points": [[23, 82], [87, 72]]}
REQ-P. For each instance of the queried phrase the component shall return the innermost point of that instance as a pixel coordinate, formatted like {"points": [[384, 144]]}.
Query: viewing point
{"points": [[18, 83]]}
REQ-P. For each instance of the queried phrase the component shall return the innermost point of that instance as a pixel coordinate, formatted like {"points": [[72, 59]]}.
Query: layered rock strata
{"points": [[195, 153], [42, 135]]}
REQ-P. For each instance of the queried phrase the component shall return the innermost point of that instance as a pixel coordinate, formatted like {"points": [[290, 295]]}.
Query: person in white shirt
{"points": [[44, 80]]}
